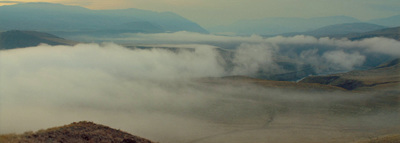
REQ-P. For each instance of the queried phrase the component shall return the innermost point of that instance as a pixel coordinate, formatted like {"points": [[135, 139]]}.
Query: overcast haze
{"points": [[210, 13]]}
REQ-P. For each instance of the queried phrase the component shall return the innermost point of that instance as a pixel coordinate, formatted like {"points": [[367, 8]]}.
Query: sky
{"points": [[210, 13]]}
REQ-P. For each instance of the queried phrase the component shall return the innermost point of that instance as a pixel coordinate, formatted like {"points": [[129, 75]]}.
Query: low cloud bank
{"points": [[344, 60], [376, 44], [198, 56], [114, 60], [326, 55], [141, 91], [151, 92]]}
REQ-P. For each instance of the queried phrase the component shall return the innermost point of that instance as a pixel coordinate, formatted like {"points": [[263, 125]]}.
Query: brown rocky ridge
{"points": [[77, 132]]}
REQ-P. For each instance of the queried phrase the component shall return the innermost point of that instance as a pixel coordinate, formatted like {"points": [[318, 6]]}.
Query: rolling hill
{"points": [[20, 39], [393, 33], [383, 139], [384, 76], [243, 80], [65, 20], [80, 132]]}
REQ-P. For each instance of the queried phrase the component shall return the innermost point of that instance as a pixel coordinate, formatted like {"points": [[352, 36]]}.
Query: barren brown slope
{"points": [[81, 132], [383, 139]]}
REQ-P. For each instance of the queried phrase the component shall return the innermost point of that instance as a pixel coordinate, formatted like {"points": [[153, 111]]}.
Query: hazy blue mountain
{"points": [[274, 26], [393, 21], [339, 29], [64, 20], [20, 39]]}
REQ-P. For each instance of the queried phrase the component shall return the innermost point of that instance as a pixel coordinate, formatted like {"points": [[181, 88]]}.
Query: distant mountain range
{"points": [[310, 26], [66, 21], [339, 29], [20, 39], [392, 21], [273, 26], [73, 20]]}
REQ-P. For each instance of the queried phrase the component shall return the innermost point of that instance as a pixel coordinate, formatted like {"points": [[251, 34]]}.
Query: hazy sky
{"points": [[216, 12]]}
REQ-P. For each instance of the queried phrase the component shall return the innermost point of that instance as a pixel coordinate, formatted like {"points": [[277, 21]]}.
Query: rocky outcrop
{"points": [[81, 132]]}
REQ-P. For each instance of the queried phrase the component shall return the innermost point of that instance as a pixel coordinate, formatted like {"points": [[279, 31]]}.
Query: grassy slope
{"points": [[383, 139]]}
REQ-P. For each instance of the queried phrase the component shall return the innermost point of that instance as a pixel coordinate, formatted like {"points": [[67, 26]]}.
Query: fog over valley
{"points": [[199, 71], [176, 95]]}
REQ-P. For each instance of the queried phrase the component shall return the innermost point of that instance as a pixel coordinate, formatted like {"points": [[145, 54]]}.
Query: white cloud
{"points": [[115, 60], [262, 53], [151, 93], [377, 44], [252, 58], [342, 60]]}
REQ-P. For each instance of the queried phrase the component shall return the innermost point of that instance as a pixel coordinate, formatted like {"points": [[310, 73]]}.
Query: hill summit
{"points": [[77, 132], [64, 20]]}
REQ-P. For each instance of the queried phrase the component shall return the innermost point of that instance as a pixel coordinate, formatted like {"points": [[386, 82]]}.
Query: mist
{"points": [[171, 95], [299, 50], [376, 44]]}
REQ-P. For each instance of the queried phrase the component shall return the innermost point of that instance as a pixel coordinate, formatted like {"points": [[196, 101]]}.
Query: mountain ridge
{"points": [[291, 25], [77, 132], [393, 33], [20, 39], [392, 21], [63, 20], [340, 29], [279, 25]]}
